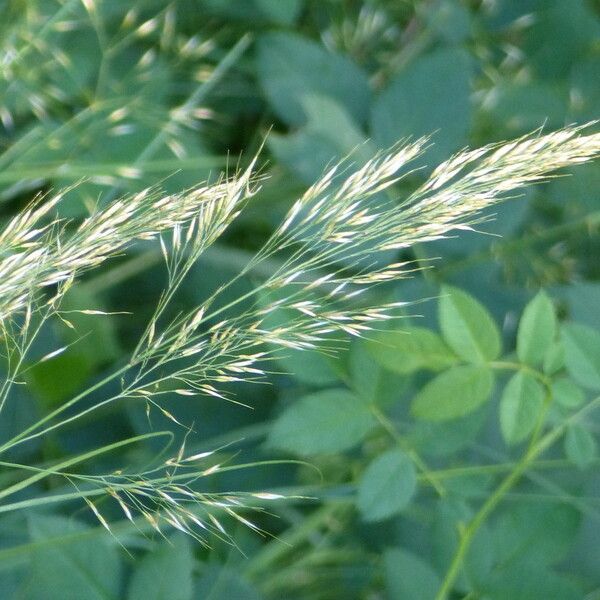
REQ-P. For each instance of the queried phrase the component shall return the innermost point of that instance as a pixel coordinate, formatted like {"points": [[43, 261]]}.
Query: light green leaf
{"points": [[537, 330], [409, 576], [88, 568], [432, 94], [582, 354], [468, 327], [291, 67], [410, 349], [567, 393], [454, 393], [387, 486], [554, 360], [520, 406], [165, 573], [325, 422], [580, 446]]}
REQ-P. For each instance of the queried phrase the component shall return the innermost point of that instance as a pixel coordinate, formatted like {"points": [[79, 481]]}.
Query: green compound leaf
{"points": [[290, 67], [454, 393], [520, 406], [325, 422], [411, 349], [582, 354], [409, 576], [82, 568], [387, 486], [580, 446], [165, 573], [468, 327], [537, 330]]}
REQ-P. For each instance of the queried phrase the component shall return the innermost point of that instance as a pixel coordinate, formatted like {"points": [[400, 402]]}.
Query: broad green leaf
{"points": [[387, 486], [541, 533], [410, 349], [291, 67], [325, 422], [165, 573], [517, 108], [369, 380], [454, 393], [580, 446], [537, 330], [527, 581], [582, 354], [567, 393], [329, 134], [468, 327], [520, 406], [409, 576], [416, 103], [86, 568]]}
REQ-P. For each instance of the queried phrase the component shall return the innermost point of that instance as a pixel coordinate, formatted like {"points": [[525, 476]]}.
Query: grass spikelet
{"points": [[332, 249]]}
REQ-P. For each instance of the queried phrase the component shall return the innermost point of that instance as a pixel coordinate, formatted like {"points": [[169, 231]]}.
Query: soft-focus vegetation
{"points": [[231, 369]]}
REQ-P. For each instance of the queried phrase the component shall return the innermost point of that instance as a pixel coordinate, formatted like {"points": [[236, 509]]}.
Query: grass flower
{"points": [[334, 246]]}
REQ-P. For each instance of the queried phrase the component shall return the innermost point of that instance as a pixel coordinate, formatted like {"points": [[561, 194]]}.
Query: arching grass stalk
{"points": [[333, 247]]}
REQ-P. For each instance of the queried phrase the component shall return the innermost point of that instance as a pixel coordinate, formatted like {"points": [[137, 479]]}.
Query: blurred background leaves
{"points": [[118, 96]]}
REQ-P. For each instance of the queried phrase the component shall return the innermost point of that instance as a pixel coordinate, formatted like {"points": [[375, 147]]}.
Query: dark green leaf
{"points": [[538, 533], [325, 422], [291, 67], [410, 349], [387, 486], [528, 581], [329, 134], [409, 576], [454, 393], [165, 573], [520, 406], [467, 326], [221, 582], [537, 330], [88, 568], [416, 103]]}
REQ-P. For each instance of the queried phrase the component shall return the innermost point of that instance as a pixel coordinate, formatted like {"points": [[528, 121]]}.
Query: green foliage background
{"points": [[410, 434]]}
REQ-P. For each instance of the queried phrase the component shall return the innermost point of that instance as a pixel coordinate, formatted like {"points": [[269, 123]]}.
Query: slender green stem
{"points": [[25, 434], [494, 499], [56, 469], [388, 425]]}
